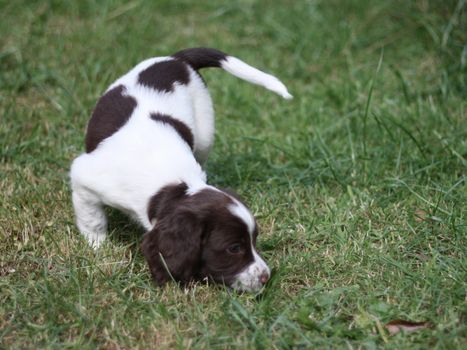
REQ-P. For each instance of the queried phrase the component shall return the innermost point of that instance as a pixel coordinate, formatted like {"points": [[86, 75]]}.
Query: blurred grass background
{"points": [[358, 183]]}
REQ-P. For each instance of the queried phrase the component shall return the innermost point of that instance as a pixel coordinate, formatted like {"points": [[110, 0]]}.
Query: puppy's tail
{"points": [[202, 57]]}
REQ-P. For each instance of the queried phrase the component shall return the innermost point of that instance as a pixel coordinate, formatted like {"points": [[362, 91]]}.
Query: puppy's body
{"points": [[145, 141], [134, 163]]}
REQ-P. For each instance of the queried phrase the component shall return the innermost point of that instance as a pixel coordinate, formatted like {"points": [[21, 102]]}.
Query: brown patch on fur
{"points": [[181, 128], [163, 75], [201, 57], [112, 111]]}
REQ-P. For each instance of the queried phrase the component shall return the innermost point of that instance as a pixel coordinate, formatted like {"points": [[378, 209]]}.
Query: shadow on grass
{"points": [[243, 169], [123, 229]]}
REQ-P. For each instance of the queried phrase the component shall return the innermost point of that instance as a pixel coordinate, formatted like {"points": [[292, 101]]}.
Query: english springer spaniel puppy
{"points": [[145, 141]]}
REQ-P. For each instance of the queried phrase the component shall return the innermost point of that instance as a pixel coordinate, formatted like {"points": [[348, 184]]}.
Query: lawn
{"points": [[358, 183]]}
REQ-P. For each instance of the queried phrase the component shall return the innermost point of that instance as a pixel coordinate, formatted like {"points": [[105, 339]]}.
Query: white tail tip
{"points": [[246, 72], [286, 95]]}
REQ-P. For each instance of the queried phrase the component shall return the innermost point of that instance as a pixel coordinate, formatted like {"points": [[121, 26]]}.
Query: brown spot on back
{"points": [[181, 128], [112, 111], [163, 75]]}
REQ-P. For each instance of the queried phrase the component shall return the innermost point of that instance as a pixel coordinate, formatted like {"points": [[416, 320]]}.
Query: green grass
{"points": [[358, 183]]}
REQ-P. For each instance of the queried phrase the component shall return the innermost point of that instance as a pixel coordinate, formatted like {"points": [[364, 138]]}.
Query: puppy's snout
{"points": [[264, 278]]}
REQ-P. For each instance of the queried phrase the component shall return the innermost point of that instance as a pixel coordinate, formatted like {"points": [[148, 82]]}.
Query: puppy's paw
{"points": [[95, 240]]}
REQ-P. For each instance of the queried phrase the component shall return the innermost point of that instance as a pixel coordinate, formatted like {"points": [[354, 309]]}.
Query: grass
{"points": [[358, 183]]}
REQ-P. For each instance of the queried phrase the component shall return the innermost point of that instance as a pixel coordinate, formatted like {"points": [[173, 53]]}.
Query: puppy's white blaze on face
{"points": [[255, 275], [239, 210]]}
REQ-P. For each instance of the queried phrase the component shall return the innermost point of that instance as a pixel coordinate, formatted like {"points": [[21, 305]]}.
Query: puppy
{"points": [[145, 141]]}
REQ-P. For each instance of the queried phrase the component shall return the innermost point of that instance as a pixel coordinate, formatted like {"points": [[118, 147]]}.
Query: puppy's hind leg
{"points": [[90, 216], [204, 119]]}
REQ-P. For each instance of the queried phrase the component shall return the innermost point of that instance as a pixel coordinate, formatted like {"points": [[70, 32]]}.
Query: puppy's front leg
{"points": [[90, 216]]}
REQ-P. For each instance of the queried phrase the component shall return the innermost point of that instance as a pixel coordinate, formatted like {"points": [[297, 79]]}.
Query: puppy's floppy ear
{"points": [[173, 247]]}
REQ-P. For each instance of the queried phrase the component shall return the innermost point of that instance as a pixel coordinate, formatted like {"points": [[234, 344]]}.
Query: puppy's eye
{"points": [[235, 249]]}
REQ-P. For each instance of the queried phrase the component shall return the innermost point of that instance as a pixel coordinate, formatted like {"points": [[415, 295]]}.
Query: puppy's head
{"points": [[206, 234]]}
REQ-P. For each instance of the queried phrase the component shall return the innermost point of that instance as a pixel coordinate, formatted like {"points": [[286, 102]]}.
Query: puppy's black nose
{"points": [[264, 278]]}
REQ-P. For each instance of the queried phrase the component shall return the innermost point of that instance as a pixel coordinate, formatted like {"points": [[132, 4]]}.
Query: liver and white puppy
{"points": [[145, 141]]}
